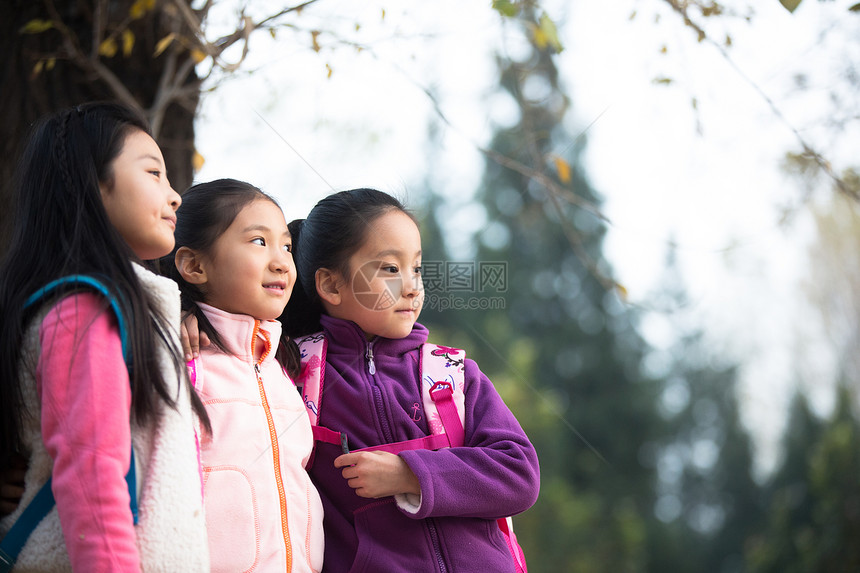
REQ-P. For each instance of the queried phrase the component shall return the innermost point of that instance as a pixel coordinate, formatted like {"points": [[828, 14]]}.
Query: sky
{"points": [[300, 123]]}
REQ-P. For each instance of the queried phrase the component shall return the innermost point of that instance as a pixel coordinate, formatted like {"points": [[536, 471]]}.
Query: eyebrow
{"points": [[250, 228], [393, 252], [151, 156], [160, 162]]}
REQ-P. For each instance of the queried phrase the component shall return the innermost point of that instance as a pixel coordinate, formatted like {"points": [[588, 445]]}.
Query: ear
{"points": [[328, 286], [190, 266]]}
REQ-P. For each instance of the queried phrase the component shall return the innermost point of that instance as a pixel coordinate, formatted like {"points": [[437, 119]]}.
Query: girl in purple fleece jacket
{"points": [[358, 257]]}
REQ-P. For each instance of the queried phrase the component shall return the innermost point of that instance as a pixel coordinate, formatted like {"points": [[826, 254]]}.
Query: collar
{"points": [[237, 332], [351, 339]]}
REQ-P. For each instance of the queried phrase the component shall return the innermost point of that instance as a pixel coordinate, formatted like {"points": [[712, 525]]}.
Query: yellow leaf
{"points": [[664, 81], [329, 72], [622, 292], [539, 37], [163, 43], [547, 26], [563, 168], [790, 5], [383, 13], [197, 161], [272, 33], [140, 7], [49, 64], [127, 42], [198, 55], [108, 48], [315, 43], [36, 26], [37, 69]]}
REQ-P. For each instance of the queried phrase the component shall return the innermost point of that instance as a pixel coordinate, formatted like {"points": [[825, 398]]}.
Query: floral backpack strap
{"points": [[442, 390], [312, 350]]}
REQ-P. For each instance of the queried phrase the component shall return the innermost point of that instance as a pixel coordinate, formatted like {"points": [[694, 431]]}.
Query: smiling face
{"points": [[138, 198], [384, 292], [249, 270]]}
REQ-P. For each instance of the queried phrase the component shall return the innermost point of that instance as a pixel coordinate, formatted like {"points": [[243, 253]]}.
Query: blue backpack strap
{"points": [[13, 542]]}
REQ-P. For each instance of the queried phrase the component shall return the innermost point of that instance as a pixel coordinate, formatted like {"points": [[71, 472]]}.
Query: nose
{"points": [[174, 198], [281, 261], [412, 285]]}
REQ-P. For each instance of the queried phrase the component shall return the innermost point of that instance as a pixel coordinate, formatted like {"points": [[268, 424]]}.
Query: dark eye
{"points": [[288, 248], [391, 269], [155, 172], [418, 270], [259, 241]]}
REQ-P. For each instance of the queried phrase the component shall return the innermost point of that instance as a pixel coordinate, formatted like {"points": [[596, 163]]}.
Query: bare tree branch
{"points": [[680, 7]]}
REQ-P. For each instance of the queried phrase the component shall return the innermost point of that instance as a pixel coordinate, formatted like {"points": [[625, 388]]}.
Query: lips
{"points": [[278, 286], [171, 220]]}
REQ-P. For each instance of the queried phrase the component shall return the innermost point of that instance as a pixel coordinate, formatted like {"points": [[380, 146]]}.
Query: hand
{"points": [[377, 474], [12, 485], [192, 338]]}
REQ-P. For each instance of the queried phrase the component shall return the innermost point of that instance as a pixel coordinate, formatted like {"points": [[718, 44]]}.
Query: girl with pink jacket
{"points": [[234, 267]]}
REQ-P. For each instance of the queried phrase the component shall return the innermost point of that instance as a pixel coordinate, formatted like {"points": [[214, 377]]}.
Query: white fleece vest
{"points": [[171, 534]]}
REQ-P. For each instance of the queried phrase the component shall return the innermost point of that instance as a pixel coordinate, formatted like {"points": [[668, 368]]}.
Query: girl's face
{"points": [[139, 200], [250, 270], [384, 293]]}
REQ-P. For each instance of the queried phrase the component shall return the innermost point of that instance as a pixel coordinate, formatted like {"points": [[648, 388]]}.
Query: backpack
{"points": [[15, 539], [442, 391]]}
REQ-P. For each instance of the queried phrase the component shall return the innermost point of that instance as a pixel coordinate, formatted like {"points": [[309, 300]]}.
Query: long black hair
{"points": [[207, 210], [333, 231], [62, 228]]}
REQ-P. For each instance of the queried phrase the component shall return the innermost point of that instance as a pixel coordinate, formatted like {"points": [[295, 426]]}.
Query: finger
{"points": [[192, 329], [13, 476], [11, 492], [7, 507], [345, 460], [204, 339], [186, 344]]}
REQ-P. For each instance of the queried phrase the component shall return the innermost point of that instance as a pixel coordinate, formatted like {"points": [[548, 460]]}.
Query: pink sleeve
{"points": [[86, 404]]}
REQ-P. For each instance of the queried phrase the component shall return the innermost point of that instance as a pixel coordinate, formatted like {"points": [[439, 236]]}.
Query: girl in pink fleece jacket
{"points": [[93, 201], [236, 273]]}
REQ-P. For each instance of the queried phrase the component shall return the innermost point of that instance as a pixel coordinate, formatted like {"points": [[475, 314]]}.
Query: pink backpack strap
{"points": [[442, 390], [312, 349]]}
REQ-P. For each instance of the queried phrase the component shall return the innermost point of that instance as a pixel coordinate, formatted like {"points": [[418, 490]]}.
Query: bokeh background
{"points": [[640, 217]]}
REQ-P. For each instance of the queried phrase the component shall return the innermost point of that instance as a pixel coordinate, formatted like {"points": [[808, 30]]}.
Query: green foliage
{"points": [[790, 5], [814, 499]]}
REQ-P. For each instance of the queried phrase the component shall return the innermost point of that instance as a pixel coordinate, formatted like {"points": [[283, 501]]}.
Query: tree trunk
{"points": [[30, 89]]}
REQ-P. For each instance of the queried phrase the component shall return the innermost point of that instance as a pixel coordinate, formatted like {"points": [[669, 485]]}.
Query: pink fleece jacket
{"points": [[86, 430], [76, 429], [262, 511]]}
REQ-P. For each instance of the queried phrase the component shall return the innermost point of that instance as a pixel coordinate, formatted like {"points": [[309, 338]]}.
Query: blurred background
{"points": [[640, 217]]}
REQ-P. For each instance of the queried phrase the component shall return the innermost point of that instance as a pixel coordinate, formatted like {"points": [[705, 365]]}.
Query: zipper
{"points": [[377, 396], [276, 455], [371, 366], [434, 538]]}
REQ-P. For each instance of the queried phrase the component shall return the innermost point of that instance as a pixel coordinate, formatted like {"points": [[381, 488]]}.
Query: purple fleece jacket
{"points": [[463, 490]]}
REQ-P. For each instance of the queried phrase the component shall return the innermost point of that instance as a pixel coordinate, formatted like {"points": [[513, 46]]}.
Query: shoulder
{"points": [[77, 310]]}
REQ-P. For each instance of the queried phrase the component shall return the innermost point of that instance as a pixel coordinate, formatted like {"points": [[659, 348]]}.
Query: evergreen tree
{"points": [[563, 350], [707, 490], [814, 500]]}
